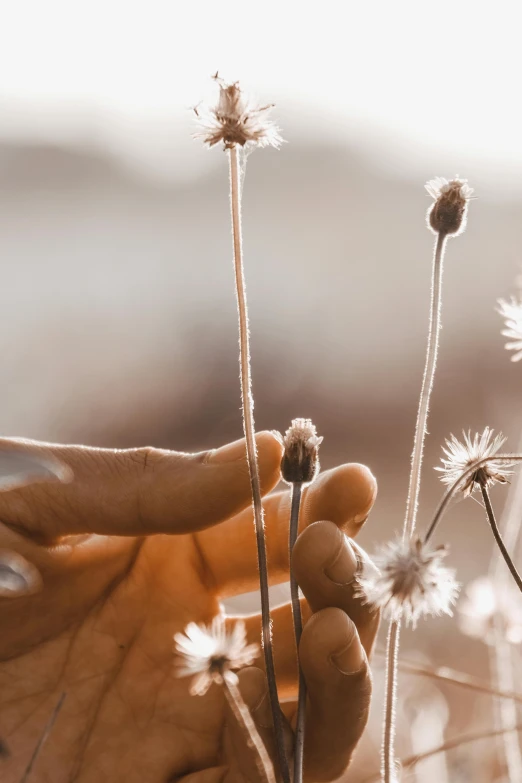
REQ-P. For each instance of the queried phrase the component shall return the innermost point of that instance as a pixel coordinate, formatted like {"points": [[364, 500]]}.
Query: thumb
{"points": [[136, 492]]}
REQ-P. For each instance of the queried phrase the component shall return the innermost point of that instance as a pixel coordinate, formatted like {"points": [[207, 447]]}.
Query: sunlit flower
{"points": [[448, 214], [512, 313], [461, 455], [210, 654], [300, 461], [236, 121], [485, 602], [411, 581]]}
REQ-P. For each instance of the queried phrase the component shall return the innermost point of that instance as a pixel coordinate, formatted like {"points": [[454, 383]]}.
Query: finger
{"points": [[344, 495], [339, 689], [139, 491], [325, 566]]}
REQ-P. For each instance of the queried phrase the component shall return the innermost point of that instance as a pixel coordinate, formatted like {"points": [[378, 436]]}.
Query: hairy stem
{"points": [[43, 739], [245, 721], [413, 495], [501, 656], [388, 744], [498, 537], [427, 386], [298, 630], [248, 424]]}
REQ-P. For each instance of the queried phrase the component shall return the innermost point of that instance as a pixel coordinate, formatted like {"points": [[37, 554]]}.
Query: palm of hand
{"points": [[101, 628]]}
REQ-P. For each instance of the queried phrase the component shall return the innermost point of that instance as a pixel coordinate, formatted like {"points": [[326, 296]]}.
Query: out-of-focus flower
{"points": [[236, 121], [210, 654], [411, 583], [482, 602], [448, 214], [512, 313], [461, 455], [300, 461]]}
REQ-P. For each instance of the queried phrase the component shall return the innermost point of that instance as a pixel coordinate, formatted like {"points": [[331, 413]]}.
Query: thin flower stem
{"points": [[248, 424], [427, 386], [498, 538], [245, 721], [412, 502], [502, 663], [453, 677], [455, 487], [456, 742], [43, 739], [298, 630], [388, 745]]}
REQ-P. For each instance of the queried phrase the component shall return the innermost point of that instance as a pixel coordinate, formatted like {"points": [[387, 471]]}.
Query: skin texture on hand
{"points": [[138, 544]]}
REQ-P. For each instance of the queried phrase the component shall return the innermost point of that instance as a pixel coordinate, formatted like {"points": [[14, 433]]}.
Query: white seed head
{"points": [[209, 654], [449, 212], [460, 455], [300, 462], [234, 120], [412, 581], [512, 313]]}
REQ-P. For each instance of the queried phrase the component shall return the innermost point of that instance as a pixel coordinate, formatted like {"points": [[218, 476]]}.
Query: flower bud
{"points": [[448, 214], [300, 462]]}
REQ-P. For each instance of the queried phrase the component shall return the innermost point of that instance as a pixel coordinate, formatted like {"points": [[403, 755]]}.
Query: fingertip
{"points": [[319, 547], [344, 495], [253, 687], [329, 639], [270, 453]]}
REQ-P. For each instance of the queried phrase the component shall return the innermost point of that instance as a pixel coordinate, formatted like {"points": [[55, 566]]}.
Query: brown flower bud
{"points": [[300, 462], [448, 214]]}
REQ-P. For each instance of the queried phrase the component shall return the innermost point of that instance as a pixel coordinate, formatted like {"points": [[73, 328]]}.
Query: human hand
{"points": [[111, 565]]}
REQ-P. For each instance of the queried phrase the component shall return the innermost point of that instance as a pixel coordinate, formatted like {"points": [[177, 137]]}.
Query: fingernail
{"points": [[351, 658], [17, 575], [343, 567]]}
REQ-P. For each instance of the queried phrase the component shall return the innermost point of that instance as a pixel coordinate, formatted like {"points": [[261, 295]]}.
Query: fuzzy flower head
{"points": [[300, 461], [411, 581], [512, 313], [210, 654], [234, 120], [461, 455], [449, 212], [486, 605]]}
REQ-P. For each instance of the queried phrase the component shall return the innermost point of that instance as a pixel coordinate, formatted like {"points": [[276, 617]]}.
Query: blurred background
{"points": [[119, 322]]}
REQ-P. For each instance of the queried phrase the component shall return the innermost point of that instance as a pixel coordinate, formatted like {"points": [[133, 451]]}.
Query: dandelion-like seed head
{"points": [[512, 313], [300, 461], [411, 582], [449, 212], [461, 455], [234, 120], [209, 654]]}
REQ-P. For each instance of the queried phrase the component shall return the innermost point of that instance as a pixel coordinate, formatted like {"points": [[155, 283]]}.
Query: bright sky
{"points": [[433, 72]]}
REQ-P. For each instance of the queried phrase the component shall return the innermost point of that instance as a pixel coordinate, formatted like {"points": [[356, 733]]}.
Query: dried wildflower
{"points": [[235, 121], [512, 314], [461, 456], [300, 461], [485, 602], [448, 214], [210, 654], [411, 582]]}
